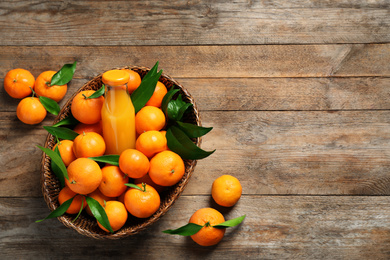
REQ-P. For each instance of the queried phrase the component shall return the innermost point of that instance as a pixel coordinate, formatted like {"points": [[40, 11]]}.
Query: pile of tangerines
{"points": [[151, 165]]}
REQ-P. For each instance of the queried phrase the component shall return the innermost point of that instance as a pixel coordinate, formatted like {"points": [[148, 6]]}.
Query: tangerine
{"points": [[89, 144], [149, 118], [97, 128], [113, 181], [30, 111], [158, 95], [150, 143], [133, 163], [166, 168], [43, 87], [208, 235], [87, 110], [77, 203], [134, 81], [226, 190], [18, 83], [116, 214], [65, 148], [142, 203], [84, 175]]}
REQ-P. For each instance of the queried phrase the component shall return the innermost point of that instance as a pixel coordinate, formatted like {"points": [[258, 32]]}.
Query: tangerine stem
{"points": [[144, 187]]}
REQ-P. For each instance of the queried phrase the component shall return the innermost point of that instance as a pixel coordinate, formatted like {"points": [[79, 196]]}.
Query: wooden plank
{"points": [[209, 61], [321, 153], [276, 227], [243, 94], [192, 22]]}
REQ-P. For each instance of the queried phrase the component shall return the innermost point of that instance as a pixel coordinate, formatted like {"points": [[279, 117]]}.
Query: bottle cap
{"points": [[115, 78]]}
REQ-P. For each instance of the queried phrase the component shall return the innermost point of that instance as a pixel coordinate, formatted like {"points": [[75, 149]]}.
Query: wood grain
{"points": [[209, 61], [320, 227], [277, 152], [192, 22], [245, 94]]}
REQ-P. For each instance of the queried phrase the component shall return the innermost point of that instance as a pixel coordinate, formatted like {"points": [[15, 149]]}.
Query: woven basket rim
{"points": [[86, 225]]}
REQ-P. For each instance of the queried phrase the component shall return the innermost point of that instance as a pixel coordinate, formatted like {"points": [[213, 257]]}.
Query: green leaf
{"points": [[132, 185], [56, 159], [58, 211], [176, 108], [111, 159], [99, 213], [98, 92], [167, 98], [61, 132], [69, 120], [143, 93], [193, 131], [56, 169], [50, 105], [64, 75], [230, 223], [179, 143], [81, 209], [186, 230]]}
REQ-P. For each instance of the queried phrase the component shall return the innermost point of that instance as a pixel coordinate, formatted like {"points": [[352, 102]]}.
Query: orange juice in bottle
{"points": [[118, 115]]}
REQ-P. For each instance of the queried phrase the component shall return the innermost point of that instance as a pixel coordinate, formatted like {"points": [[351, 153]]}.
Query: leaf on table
{"points": [[181, 144], [230, 223], [186, 230], [144, 92], [50, 105], [64, 75], [61, 132], [99, 213], [59, 211]]}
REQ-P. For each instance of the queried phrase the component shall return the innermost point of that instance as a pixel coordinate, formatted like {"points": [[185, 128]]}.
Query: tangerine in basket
{"points": [[142, 203], [133, 163], [97, 128], [87, 110], [30, 111], [113, 181], [65, 148], [208, 235], [134, 80], [18, 83], [166, 168], [116, 214], [226, 190], [79, 201], [151, 142], [42, 86], [89, 144], [158, 95], [84, 175], [149, 118], [99, 197]]}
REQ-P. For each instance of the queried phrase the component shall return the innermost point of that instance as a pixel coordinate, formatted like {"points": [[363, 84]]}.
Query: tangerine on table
{"points": [[84, 175], [113, 181], [65, 194], [18, 83], [89, 144], [166, 168], [116, 214], [99, 197], [133, 163], [151, 142], [65, 148], [134, 80], [87, 110], [208, 235], [30, 111], [97, 128], [149, 118], [226, 190], [42, 87], [142, 203], [158, 95]]}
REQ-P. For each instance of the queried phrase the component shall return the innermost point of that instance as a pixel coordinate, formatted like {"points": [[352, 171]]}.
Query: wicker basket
{"points": [[85, 224]]}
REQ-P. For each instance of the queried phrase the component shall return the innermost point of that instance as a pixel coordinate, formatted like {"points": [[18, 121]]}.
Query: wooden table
{"points": [[298, 95]]}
